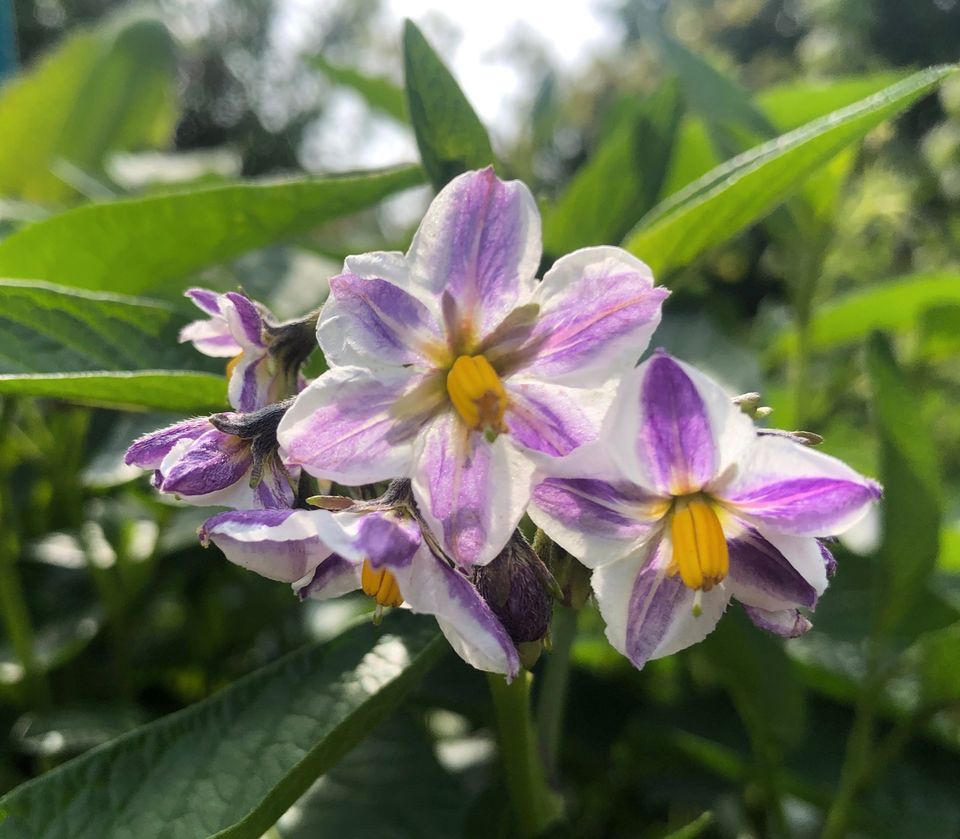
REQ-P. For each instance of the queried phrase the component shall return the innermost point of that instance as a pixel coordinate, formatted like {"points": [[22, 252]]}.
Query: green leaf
{"points": [[895, 304], [620, 182], [381, 94], [231, 765], [720, 204], [449, 133], [693, 156], [100, 349], [694, 828], [137, 244], [909, 473], [99, 90], [936, 656]]}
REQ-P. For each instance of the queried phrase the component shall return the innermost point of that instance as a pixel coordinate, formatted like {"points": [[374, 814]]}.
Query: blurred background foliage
{"points": [[113, 614]]}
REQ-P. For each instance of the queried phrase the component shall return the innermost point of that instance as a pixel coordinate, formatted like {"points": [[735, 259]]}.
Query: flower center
{"points": [[380, 585], [700, 554], [477, 393]]}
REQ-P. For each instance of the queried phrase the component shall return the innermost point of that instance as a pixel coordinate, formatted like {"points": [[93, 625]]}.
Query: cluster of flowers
{"points": [[481, 394]]}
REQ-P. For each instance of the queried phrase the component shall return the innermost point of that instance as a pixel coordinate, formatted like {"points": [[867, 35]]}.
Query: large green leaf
{"points": [[449, 133], [909, 472], [232, 764], [896, 304], [99, 90], [620, 182], [379, 93], [141, 243], [736, 193], [100, 348]]}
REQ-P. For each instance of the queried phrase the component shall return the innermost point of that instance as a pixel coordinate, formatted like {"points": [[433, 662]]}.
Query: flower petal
{"points": [[212, 462], [244, 319], [212, 337], [346, 426], [386, 539], [148, 451], [430, 586], [787, 623], [598, 309], [793, 489], [674, 429], [281, 545], [479, 241], [763, 574], [596, 521], [552, 419], [333, 577], [251, 384], [374, 322], [277, 487], [648, 613], [204, 299], [471, 493]]}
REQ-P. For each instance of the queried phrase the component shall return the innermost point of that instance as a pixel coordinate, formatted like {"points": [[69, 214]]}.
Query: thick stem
{"points": [[534, 805], [553, 690]]}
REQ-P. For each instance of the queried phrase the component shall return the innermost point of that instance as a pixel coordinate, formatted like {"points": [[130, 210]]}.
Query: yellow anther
{"points": [[232, 364], [381, 585], [700, 554], [477, 393]]}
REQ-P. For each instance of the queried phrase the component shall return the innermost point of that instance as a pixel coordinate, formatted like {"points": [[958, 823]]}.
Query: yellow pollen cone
{"points": [[700, 554], [381, 585], [477, 393], [232, 364]]}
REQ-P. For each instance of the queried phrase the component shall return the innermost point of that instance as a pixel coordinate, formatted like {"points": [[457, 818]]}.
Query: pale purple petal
{"points": [[479, 241], [552, 419], [374, 322], [787, 623], [596, 521], [148, 451], [349, 425], [244, 319], [430, 586], [793, 489], [829, 562], [385, 265], [386, 539], [252, 385], [472, 493], [281, 545], [650, 614], [760, 575], [211, 337], [598, 309], [212, 462], [277, 487], [333, 577], [204, 299]]}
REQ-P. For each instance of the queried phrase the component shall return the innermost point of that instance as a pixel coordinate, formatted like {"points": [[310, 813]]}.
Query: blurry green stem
{"points": [[801, 367], [553, 690], [534, 805]]}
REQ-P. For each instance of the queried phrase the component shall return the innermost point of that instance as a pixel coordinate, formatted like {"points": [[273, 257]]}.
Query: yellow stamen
{"points": [[700, 554], [477, 393], [232, 364], [381, 585]]}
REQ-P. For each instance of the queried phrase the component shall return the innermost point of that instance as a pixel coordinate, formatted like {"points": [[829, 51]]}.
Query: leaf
{"points": [[620, 182], [381, 94], [935, 657], [721, 203], [449, 133], [99, 348], [909, 473], [694, 828], [231, 765], [395, 767], [895, 304], [141, 243]]}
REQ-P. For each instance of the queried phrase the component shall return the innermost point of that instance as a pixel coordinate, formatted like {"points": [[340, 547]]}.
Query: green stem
{"points": [[534, 805], [553, 691]]}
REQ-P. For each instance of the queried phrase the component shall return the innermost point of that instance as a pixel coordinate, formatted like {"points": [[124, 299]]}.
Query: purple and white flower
{"points": [[452, 366], [265, 355], [685, 504], [381, 548], [227, 460]]}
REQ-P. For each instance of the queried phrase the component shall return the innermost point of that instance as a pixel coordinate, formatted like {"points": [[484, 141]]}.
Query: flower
{"points": [[381, 547], [687, 504], [265, 355], [452, 366], [225, 460]]}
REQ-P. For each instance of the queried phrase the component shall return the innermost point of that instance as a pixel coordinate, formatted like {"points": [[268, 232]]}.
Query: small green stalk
{"points": [[553, 692]]}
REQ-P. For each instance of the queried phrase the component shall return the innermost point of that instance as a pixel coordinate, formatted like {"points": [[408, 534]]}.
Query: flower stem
{"points": [[553, 691], [534, 805]]}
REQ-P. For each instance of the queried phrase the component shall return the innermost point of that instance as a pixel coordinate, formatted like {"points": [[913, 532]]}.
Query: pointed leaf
{"points": [[381, 94]]}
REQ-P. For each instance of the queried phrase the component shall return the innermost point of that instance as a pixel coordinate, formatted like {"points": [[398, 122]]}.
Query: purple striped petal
{"points": [[211, 337], [762, 575], [596, 521], [204, 299], [648, 613], [386, 539], [213, 461], [333, 577], [787, 623], [598, 309], [281, 545], [792, 489], [472, 493], [252, 386], [349, 426], [373, 321], [430, 586], [148, 451], [479, 241], [829, 562], [244, 319], [277, 487]]}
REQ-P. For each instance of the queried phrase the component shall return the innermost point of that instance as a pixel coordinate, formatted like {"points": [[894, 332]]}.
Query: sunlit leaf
{"points": [[381, 94]]}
